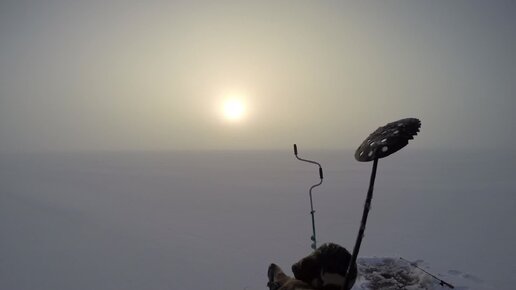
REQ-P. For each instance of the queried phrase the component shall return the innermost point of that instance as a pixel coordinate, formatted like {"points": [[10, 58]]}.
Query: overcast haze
{"points": [[150, 75]]}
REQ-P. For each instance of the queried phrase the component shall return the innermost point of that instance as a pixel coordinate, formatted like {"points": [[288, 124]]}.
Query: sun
{"points": [[233, 109]]}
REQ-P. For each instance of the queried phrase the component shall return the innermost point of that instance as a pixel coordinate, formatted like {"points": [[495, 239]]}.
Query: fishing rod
{"points": [[312, 211], [441, 282]]}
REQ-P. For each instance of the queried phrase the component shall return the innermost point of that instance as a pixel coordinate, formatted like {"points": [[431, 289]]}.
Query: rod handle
{"points": [[320, 172], [447, 284]]}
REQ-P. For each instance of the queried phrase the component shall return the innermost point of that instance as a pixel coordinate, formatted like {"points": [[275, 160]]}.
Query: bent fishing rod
{"points": [[441, 282]]}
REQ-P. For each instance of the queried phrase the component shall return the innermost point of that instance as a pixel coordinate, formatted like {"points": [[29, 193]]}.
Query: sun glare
{"points": [[233, 109]]}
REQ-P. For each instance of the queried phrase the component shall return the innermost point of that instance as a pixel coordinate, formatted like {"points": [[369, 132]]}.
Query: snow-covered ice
{"points": [[394, 273], [216, 220]]}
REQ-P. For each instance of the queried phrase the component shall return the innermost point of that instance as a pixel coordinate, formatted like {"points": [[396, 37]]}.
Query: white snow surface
{"points": [[216, 220]]}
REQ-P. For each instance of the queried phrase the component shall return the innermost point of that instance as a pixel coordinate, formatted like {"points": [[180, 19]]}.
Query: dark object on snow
{"points": [[388, 139], [312, 211], [326, 268], [279, 281], [381, 143]]}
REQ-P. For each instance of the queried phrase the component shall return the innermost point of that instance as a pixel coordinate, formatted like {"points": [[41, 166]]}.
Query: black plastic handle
{"points": [[447, 284], [295, 149], [320, 172]]}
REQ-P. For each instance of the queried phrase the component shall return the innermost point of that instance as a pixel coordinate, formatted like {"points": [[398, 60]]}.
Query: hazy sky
{"points": [[140, 75]]}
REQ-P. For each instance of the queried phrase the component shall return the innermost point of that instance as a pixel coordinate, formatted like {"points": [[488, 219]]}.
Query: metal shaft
{"points": [[312, 211], [367, 207]]}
